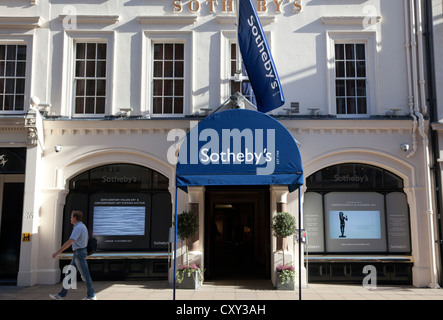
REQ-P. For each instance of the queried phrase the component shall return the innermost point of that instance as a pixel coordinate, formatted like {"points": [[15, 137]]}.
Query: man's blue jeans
{"points": [[79, 262]]}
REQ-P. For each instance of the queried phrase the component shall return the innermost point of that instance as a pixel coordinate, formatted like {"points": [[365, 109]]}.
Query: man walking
{"points": [[79, 242]]}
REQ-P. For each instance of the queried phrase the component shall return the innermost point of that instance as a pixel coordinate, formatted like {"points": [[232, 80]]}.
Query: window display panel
{"points": [[120, 221], [355, 222]]}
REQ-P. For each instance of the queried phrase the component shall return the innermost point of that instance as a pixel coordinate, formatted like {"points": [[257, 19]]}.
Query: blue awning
{"points": [[239, 147]]}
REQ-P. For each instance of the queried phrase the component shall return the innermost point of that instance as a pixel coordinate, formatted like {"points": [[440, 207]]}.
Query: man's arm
{"points": [[65, 246]]}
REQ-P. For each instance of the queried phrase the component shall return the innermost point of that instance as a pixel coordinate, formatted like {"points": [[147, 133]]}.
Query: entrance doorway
{"points": [[10, 231], [237, 233]]}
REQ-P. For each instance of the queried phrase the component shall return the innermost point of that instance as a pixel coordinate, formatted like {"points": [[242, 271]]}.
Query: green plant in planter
{"points": [[187, 227], [284, 226], [287, 273]]}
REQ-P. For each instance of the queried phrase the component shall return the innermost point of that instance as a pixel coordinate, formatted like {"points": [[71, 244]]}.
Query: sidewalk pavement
{"points": [[222, 290]]}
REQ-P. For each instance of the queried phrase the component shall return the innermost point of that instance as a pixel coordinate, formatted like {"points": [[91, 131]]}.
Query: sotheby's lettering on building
{"points": [[99, 104]]}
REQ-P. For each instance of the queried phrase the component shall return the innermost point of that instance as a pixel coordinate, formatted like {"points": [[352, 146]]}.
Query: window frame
{"points": [[154, 37], [28, 42], [368, 38], [68, 95]]}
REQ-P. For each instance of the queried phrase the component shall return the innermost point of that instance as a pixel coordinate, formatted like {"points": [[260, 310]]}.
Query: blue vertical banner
{"points": [[257, 59]]}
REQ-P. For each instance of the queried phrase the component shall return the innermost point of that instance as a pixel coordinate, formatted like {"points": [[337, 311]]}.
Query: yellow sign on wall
{"points": [[26, 237]]}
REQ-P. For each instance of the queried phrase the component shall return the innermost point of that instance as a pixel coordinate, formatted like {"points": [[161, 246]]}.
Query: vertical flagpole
{"points": [[175, 240], [299, 243], [238, 64]]}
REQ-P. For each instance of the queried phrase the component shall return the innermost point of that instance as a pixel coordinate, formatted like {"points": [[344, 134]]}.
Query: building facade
{"points": [[92, 94]]}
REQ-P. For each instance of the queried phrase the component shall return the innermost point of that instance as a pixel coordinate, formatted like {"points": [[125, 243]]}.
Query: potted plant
{"points": [[286, 273], [284, 226], [188, 276]]}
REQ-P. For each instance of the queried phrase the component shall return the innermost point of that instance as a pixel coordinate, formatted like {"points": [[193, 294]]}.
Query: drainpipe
{"points": [[409, 78], [419, 84], [433, 114]]}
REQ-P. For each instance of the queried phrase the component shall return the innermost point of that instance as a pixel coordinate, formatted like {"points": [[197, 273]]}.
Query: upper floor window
{"points": [[168, 78], [12, 77], [90, 78], [351, 79], [243, 86]]}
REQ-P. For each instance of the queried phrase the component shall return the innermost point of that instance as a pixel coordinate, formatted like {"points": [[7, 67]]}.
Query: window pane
{"points": [[19, 102], [169, 69], [349, 52], [351, 107], [178, 105], [2, 68], [2, 86], [21, 53], [350, 88], [339, 52], [20, 86], [169, 51], [10, 68], [360, 51], [362, 108], [90, 105], [158, 51], [2, 52], [91, 50], [341, 106], [101, 87], [179, 51], [350, 69], [157, 105], [80, 69], [80, 88], [168, 105], [361, 69], [158, 87], [21, 69], [9, 103], [101, 51], [81, 49], [340, 69], [361, 88], [100, 105], [101, 69], [340, 88], [178, 88], [79, 105], [90, 69], [11, 52], [158, 69], [179, 69], [169, 87], [90, 87], [9, 87]]}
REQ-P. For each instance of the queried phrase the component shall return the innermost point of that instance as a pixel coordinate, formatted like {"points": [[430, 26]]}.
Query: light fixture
{"points": [[124, 112], [58, 148], [43, 108], [404, 147], [393, 112]]}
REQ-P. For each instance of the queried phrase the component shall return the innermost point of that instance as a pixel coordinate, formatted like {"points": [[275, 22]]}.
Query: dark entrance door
{"points": [[237, 234], [10, 231]]}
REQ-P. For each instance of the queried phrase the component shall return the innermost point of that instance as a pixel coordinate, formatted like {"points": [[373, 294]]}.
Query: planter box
{"points": [[189, 282], [286, 286]]}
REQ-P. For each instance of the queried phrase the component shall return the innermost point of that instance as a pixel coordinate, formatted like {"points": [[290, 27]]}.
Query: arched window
{"points": [[356, 208], [127, 207]]}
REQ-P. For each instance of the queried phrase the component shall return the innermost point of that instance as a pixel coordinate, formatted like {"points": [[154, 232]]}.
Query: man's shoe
{"points": [[91, 298], [55, 297]]}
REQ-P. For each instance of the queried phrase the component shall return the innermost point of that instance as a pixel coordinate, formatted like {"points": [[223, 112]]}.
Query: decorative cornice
{"points": [[92, 19], [350, 20], [20, 22], [167, 19], [264, 20]]}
